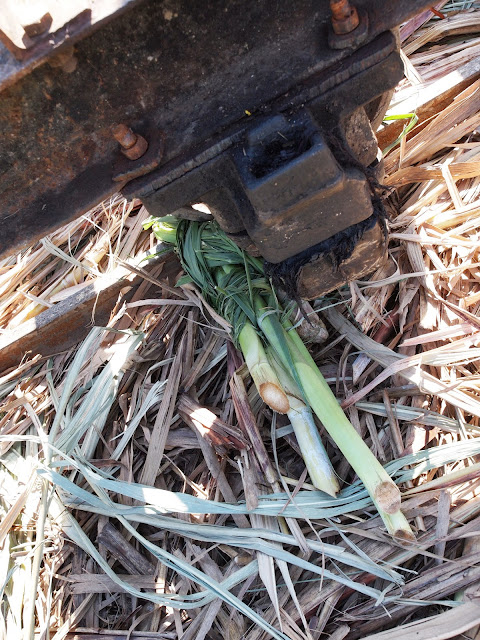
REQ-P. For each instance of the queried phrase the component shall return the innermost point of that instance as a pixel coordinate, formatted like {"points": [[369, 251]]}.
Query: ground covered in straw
{"points": [[138, 501]]}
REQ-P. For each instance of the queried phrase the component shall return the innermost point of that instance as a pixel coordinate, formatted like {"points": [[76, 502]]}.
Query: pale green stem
{"points": [[383, 491], [378, 483], [263, 375], [311, 446]]}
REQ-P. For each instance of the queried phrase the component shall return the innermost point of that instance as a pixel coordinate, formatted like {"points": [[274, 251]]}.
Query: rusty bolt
{"points": [[344, 16], [133, 145]]}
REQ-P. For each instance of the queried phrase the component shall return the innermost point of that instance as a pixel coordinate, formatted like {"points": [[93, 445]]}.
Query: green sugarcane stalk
{"points": [[311, 446], [233, 290], [383, 491], [262, 372], [293, 353]]}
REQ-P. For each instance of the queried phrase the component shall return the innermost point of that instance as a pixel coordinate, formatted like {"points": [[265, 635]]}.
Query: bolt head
{"points": [[137, 150], [347, 23]]}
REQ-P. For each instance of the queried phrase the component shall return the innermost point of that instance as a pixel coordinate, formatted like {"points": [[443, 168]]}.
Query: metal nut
{"points": [[133, 145], [344, 16]]}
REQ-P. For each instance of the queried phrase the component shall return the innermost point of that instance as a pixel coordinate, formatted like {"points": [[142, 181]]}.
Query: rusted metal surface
{"points": [[39, 27], [133, 145], [350, 31], [64, 60], [67, 322], [157, 67], [282, 186], [125, 169], [59, 327], [124, 136], [344, 16]]}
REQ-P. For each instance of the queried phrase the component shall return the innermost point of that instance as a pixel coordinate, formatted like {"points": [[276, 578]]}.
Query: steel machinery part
{"points": [[264, 115]]}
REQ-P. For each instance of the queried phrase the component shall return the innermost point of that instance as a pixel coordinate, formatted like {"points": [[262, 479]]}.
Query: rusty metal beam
{"points": [[194, 74]]}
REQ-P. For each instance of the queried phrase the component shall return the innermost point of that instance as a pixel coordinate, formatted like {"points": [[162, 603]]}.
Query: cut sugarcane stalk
{"points": [[293, 353], [234, 284], [263, 375], [313, 452], [378, 483]]}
